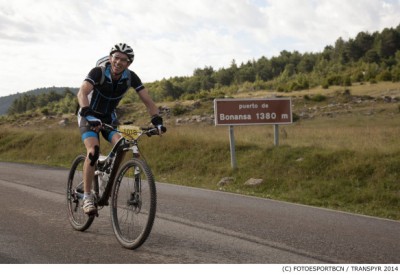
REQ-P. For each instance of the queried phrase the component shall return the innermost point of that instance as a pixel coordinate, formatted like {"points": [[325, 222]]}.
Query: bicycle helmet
{"points": [[124, 48]]}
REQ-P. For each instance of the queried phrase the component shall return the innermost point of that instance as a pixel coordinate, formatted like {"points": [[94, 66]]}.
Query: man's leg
{"points": [[93, 152], [115, 138]]}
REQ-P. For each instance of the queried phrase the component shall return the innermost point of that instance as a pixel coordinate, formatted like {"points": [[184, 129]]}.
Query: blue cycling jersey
{"points": [[105, 97]]}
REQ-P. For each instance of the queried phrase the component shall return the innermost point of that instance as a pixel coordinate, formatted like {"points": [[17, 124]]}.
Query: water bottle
{"points": [[105, 175], [104, 180]]}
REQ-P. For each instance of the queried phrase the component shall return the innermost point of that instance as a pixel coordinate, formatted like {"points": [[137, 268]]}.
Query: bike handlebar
{"points": [[148, 131], [153, 131]]}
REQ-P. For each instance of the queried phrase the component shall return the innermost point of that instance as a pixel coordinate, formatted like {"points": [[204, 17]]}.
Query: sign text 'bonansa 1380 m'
{"points": [[252, 111]]}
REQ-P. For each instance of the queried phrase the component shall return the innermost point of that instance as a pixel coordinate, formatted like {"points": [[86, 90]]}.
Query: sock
{"points": [[86, 196]]}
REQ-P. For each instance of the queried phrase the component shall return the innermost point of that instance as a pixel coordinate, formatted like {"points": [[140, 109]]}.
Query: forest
{"points": [[369, 57]]}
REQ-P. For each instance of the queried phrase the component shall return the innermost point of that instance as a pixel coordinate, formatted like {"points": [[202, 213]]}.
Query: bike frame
{"points": [[116, 156], [123, 182]]}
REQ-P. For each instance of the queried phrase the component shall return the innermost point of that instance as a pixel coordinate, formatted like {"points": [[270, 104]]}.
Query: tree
{"points": [[372, 56], [321, 67], [246, 73], [307, 63], [263, 69], [328, 52], [352, 50], [224, 77], [204, 78], [389, 42], [168, 90], [358, 47], [277, 66], [339, 51]]}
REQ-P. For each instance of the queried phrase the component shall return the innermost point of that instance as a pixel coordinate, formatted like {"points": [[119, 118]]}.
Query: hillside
{"points": [[316, 103], [7, 101], [342, 152]]}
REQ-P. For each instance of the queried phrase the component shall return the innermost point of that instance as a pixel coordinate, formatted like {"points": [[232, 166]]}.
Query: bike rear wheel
{"points": [[78, 219], [133, 205]]}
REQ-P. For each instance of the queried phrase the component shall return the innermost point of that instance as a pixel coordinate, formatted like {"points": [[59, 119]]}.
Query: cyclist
{"points": [[98, 98]]}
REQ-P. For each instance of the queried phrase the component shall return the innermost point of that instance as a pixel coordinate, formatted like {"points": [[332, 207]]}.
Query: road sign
{"points": [[253, 111], [233, 112]]}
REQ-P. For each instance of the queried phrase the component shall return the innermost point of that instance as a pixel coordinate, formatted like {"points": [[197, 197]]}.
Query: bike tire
{"points": [[78, 219], [132, 221]]}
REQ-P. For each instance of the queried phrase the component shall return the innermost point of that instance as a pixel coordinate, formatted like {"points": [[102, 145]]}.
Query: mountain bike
{"points": [[131, 189]]}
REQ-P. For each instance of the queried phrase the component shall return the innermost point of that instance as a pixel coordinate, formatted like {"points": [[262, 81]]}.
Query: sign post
{"points": [[231, 112], [232, 147], [276, 135]]}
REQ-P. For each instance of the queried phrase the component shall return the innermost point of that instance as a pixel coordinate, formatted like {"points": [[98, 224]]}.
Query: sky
{"points": [[56, 43]]}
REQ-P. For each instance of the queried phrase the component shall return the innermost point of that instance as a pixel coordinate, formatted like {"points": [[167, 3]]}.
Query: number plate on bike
{"points": [[130, 130]]}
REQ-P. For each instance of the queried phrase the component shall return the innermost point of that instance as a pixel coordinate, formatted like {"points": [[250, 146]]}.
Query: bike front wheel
{"points": [[78, 219], [133, 205]]}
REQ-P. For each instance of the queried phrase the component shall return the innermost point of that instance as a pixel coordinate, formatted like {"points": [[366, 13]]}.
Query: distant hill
{"points": [[6, 102]]}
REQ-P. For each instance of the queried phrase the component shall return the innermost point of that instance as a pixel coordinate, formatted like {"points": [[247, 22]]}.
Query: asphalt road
{"points": [[192, 226]]}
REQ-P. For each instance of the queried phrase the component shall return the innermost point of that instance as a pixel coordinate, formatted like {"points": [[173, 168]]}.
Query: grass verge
{"points": [[319, 165]]}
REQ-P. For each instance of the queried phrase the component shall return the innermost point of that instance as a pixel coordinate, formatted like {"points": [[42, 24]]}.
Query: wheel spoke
{"points": [[78, 219], [134, 202]]}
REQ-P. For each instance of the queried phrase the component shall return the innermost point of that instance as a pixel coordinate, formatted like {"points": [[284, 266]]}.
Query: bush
{"points": [[178, 109], [334, 80], [319, 98], [325, 84], [385, 76], [280, 89], [45, 111], [316, 98], [296, 117], [347, 81]]}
